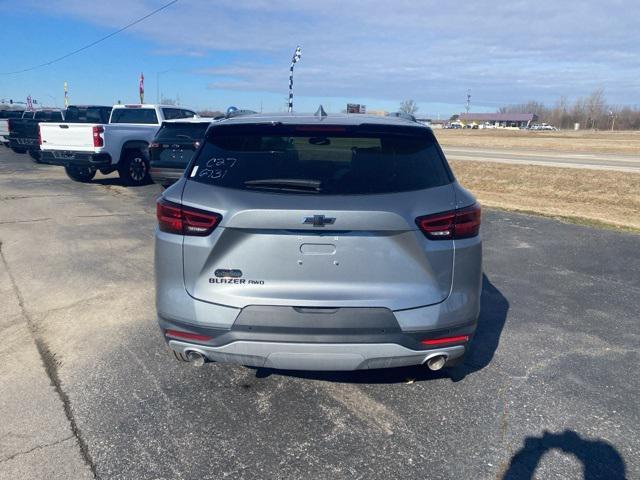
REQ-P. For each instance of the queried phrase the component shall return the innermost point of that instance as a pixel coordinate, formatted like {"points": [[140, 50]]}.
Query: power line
{"points": [[135, 22]]}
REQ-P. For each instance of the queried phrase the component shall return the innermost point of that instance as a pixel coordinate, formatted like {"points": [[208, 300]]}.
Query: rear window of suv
{"points": [[331, 160], [182, 132]]}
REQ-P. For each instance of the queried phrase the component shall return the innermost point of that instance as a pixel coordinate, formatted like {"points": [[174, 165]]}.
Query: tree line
{"points": [[591, 112]]}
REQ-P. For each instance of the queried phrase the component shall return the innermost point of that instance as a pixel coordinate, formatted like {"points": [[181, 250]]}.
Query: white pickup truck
{"points": [[84, 148]]}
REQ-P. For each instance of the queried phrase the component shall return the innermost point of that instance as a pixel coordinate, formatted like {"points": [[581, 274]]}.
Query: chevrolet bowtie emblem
{"points": [[319, 220]]}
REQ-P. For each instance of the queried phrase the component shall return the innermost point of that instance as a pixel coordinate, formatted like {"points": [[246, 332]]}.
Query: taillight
{"points": [[454, 224], [154, 145], [98, 141], [446, 340], [187, 335], [182, 220]]}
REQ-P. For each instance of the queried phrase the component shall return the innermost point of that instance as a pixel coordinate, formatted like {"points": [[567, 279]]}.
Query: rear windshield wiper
{"points": [[292, 184]]}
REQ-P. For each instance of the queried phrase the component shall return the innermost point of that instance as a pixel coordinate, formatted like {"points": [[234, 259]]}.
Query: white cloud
{"points": [[427, 50]]}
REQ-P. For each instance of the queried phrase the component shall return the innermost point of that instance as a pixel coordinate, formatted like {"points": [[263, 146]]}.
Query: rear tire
{"points": [[134, 168], [80, 174]]}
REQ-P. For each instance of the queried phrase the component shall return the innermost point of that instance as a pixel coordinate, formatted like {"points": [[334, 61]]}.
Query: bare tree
{"points": [[592, 111], [408, 106], [596, 107]]}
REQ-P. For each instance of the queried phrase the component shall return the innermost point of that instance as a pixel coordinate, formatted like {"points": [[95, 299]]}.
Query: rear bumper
{"points": [[347, 339], [165, 176], [24, 142], [317, 356], [76, 159]]}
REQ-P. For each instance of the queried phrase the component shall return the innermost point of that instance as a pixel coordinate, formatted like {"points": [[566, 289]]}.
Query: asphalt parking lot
{"points": [[89, 389]]}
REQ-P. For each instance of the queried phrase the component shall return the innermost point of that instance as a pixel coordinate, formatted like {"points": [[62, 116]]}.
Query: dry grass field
{"points": [[565, 141], [593, 197]]}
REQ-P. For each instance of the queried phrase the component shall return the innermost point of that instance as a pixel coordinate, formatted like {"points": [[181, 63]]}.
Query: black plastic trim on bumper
{"points": [[343, 325], [164, 175], [32, 144], [96, 160]]}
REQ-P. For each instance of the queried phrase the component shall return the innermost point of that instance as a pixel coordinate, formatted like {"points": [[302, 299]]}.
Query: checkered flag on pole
{"points": [[294, 60]]}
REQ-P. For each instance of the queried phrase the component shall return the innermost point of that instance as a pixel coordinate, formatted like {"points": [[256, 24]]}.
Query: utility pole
{"points": [[613, 119], [468, 101]]}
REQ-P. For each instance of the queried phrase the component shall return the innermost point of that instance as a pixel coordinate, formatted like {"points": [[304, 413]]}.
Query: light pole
{"points": [[158, 84]]}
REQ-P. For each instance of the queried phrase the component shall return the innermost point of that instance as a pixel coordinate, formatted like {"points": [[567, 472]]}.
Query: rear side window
{"points": [[53, 116], [176, 113], [330, 160], [134, 115], [87, 115], [190, 132], [10, 114]]}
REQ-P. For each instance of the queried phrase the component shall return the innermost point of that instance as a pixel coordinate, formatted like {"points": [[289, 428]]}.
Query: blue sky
{"points": [[216, 53]]}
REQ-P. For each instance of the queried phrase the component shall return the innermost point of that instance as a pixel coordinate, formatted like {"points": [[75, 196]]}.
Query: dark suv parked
{"points": [[173, 146]]}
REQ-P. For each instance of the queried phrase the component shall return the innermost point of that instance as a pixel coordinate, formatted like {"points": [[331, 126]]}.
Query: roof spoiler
{"points": [[236, 112], [406, 116]]}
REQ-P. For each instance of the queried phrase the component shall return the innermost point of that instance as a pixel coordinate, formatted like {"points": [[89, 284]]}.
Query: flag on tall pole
{"points": [[296, 58], [66, 95], [29, 103], [141, 87]]}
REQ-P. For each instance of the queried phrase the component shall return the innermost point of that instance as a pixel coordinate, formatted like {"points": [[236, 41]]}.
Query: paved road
{"points": [[551, 383], [597, 161]]}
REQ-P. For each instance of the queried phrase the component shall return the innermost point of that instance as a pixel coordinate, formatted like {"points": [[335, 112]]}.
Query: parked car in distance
{"points": [[24, 132], [5, 115], [338, 242], [173, 146], [120, 145]]}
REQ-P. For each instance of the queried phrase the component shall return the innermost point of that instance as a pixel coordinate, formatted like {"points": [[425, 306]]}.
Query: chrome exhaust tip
{"points": [[437, 362], [196, 358]]}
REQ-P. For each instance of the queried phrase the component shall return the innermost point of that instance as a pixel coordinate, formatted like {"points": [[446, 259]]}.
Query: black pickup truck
{"points": [[24, 132], [5, 115]]}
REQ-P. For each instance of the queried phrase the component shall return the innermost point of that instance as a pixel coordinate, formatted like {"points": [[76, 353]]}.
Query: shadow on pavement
{"points": [[115, 180], [493, 314], [600, 460]]}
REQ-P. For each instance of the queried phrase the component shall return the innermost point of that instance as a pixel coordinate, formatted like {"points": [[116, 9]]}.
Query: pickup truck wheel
{"points": [[80, 174], [36, 155], [134, 169]]}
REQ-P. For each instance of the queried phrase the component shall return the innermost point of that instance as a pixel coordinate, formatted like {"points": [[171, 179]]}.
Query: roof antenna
{"points": [[320, 112]]}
